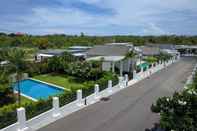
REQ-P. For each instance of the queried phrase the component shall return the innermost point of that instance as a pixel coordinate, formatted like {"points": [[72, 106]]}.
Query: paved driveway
{"points": [[128, 110]]}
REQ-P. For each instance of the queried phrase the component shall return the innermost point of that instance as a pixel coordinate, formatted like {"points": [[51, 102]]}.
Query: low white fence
{"points": [[191, 77], [58, 112]]}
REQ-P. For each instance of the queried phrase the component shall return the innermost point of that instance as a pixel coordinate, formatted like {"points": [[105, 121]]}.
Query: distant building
{"points": [[113, 56], [44, 54], [187, 50], [109, 50], [149, 50], [78, 51], [156, 49]]}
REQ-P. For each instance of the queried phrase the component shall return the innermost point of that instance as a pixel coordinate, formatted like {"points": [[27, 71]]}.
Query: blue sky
{"points": [[100, 17]]}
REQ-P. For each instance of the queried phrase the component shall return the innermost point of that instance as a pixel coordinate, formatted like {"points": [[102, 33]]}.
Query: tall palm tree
{"points": [[131, 57], [16, 58]]}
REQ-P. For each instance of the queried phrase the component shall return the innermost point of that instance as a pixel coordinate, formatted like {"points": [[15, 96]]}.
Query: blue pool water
{"points": [[37, 90]]}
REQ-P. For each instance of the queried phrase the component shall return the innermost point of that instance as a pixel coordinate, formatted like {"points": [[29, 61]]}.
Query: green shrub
{"points": [[34, 109], [8, 115], [67, 97]]}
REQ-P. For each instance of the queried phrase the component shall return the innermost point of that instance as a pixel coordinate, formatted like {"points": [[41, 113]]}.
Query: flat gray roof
{"points": [[108, 50], [52, 51]]}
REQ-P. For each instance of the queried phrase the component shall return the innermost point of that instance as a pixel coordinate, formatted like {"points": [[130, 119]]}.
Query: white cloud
{"points": [[153, 29], [131, 16]]}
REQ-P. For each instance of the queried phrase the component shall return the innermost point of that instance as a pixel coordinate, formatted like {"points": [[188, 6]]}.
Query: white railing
{"points": [[58, 112], [191, 77]]}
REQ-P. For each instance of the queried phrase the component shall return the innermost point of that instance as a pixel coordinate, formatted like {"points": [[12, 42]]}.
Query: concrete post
{"points": [[141, 70], [134, 74], [120, 83], [21, 116], [56, 111], [79, 98], [110, 86], [126, 78], [96, 91]]}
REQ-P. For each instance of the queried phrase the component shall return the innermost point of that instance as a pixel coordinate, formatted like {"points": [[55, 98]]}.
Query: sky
{"points": [[99, 17]]}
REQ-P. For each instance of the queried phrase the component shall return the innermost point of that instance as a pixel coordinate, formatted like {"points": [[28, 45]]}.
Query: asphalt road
{"points": [[129, 109]]}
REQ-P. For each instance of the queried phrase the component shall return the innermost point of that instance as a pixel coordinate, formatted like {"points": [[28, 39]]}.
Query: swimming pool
{"points": [[37, 90]]}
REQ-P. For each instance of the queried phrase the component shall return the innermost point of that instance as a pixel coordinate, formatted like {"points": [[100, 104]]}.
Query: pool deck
{"points": [[29, 97]]}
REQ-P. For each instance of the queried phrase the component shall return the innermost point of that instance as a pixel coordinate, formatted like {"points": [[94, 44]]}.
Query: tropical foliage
{"points": [[6, 93], [179, 112], [62, 40], [163, 57], [150, 59], [16, 59], [130, 54]]}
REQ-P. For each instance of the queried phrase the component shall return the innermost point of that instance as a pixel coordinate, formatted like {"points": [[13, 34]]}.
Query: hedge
{"points": [[103, 83], [67, 98], [8, 114]]}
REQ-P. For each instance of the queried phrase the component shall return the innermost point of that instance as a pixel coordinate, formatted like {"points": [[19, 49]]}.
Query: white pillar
{"points": [[134, 74], [121, 82], [126, 78], [79, 98], [141, 70], [96, 91], [21, 116], [56, 111], [110, 86]]}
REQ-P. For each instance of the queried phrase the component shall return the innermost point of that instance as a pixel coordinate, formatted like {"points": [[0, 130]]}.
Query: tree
{"points": [[163, 57], [151, 59], [6, 93], [82, 34], [179, 112], [41, 43], [131, 59], [16, 58], [130, 54]]}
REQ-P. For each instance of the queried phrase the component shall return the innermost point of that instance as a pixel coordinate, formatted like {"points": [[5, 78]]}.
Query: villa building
{"points": [[112, 56], [78, 51], [44, 54]]}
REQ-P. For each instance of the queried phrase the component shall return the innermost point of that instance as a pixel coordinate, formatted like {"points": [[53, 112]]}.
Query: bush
{"points": [[34, 109], [6, 95], [8, 115], [177, 113], [67, 97], [103, 82]]}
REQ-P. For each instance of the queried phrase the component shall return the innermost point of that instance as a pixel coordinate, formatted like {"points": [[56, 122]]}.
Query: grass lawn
{"points": [[60, 80]]}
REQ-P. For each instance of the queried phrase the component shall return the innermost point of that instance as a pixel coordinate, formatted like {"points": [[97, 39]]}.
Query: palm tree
{"points": [[131, 58], [16, 58]]}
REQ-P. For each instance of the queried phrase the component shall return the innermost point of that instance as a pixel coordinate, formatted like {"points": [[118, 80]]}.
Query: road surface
{"points": [[129, 109]]}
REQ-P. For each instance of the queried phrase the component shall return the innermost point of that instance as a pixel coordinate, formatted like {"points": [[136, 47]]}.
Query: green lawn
{"points": [[60, 80]]}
